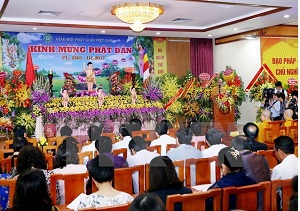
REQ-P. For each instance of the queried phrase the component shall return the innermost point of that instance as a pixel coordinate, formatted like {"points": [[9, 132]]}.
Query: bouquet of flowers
{"points": [[224, 102]]}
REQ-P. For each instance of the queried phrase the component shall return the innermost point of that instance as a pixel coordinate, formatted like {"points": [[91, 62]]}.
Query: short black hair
{"points": [[169, 125], [241, 142], [251, 130], [162, 128], [294, 93], [19, 143], [231, 158], [89, 63], [136, 124], [278, 83], [195, 128], [103, 144], [66, 131], [280, 95], [101, 169], [213, 136], [19, 131], [147, 201], [125, 130], [137, 143], [285, 144], [94, 132], [66, 154], [184, 136]]}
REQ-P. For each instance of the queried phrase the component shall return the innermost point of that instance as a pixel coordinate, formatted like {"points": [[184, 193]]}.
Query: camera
{"points": [[268, 93]]}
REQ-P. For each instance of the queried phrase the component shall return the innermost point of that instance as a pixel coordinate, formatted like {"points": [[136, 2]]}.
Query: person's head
{"points": [[284, 146], [31, 192], [31, 156], [251, 130], [213, 137], [184, 136], [288, 113], [66, 154], [66, 131], [195, 128], [230, 160], [19, 143], [94, 132], [125, 130], [169, 125], [147, 202], [278, 85], [280, 96], [101, 169], [162, 174], [19, 131], [136, 144], [89, 64], [294, 94], [104, 144], [241, 143], [135, 124], [266, 114], [161, 129]]}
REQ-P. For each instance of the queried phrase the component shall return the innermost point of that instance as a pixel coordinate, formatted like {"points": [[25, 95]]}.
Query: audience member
{"points": [[164, 181], [104, 146], [31, 193], [213, 138], [265, 118], [94, 132], [163, 138], [185, 150], [101, 169], [18, 144], [66, 131], [135, 124], [251, 131], [288, 117], [279, 89], [255, 165], [293, 103], [293, 205], [284, 151], [19, 131], [140, 156], [274, 107], [147, 202], [195, 127], [232, 172], [126, 134]]}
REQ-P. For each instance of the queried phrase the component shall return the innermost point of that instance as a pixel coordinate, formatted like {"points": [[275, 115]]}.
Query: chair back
{"points": [[56, 140], [6, 152], [195, 201], [110, 135], [109, 208], [179, 166], [170, 146], [156, 148], [142, 133], [50, 150], [270, 157], [11, 184], [33, 141], [285, 187], [248, 197], [122, 151], [7, 143], [6, 165], [74, 185], [292, 132], [82, 155], [123, 178], [49, 159], [202, 171]]}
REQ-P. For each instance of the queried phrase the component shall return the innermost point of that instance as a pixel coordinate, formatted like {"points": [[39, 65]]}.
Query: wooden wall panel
{"points": [[178, 56]]}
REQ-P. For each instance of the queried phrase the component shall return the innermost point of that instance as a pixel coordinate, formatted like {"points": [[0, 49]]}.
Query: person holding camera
{"points": [[292, 103], [273, 106]]}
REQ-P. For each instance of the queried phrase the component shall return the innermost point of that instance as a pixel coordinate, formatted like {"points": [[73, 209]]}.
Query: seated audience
{"points": [[101, 169], [94, 132], [196, 131], [66, 162], [18, 144], [265, 118], [19, 131], [255, 165], [184, 150], [251, 131], [284, 151], [140, 156], [126, 134], [163, 138], [164, 181], [135, 124], [104, 147], [31, 193], [66, 131], [232, 172], [293, 205], [288, 117], [213, 138], [147, 202]]}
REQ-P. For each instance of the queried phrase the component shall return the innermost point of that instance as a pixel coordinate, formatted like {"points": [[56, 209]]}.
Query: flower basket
{"points": [[224, 103]]}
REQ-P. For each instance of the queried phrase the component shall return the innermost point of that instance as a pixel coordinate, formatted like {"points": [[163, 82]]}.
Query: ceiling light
{"points": [[251, 37], [234, 29], [209, 35], [286, 16], [34, 28], [137, 13], [102, 32], [157, 33]]}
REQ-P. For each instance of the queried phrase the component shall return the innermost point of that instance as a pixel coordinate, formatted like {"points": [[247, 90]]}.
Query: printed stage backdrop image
{"points": [[67, 55]]}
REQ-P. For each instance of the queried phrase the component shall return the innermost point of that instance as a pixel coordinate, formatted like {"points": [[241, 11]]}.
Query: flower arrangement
{"points": [[224, 102], [43, 141], [5, 125]]}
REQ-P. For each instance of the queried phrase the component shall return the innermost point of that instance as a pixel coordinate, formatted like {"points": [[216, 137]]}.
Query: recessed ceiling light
{"points": [[234, 29], [34, 28], [102, 32], [157, 33], [209, 35], [286, 16]]}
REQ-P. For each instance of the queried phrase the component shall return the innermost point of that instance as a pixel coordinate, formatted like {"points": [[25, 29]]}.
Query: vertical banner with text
{"points": [[160, 55], [281, 56]]}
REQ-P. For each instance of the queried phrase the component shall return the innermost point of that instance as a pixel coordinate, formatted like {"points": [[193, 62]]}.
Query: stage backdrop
{"points": [[281, 56], [68, 53]]}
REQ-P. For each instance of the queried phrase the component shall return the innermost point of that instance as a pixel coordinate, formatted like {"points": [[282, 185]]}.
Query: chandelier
{"points": [[137, 13]]}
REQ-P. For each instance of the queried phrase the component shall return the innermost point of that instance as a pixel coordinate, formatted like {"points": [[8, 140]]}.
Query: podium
{"points": [[225, 123]]}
